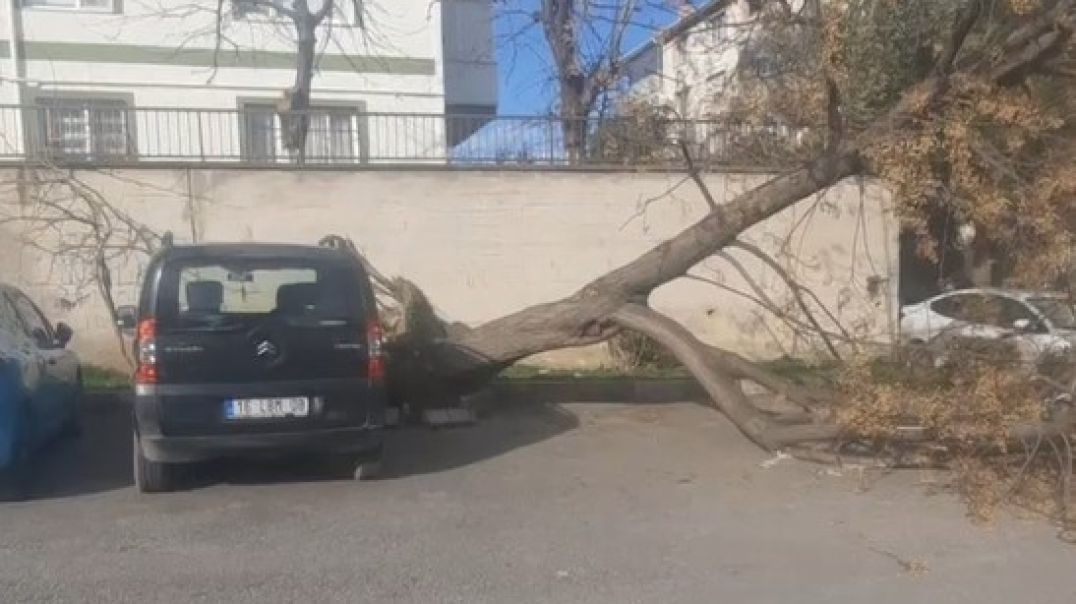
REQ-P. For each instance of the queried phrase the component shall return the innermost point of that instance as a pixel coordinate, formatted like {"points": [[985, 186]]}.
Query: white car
{"points": [[1040, 323]]}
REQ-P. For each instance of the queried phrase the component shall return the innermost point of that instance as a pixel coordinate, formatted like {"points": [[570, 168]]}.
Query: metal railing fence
{"points": [[103, 133]]}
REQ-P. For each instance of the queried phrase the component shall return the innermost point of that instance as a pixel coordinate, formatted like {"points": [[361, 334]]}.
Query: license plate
{"points": [[267, 408]]}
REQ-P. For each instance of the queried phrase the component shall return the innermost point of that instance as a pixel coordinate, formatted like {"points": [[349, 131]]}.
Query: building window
{"points": [[331, 138], [259, 133], [86, 128], [242, 9], [718, 32], [87, 5], [358, 16]]}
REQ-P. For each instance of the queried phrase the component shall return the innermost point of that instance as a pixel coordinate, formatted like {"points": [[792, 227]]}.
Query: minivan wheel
{"points": [[153, 476], [368, 470], [363, 466]]}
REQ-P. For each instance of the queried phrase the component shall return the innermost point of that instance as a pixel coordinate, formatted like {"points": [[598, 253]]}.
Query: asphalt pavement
{"points": [[538, 503]]}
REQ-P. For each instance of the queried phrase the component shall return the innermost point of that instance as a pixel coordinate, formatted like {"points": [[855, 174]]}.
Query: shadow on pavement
{"points": [[413, 451], [100, 460], [409, 450]]}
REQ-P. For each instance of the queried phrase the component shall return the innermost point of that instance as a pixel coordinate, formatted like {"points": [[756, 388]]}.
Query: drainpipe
{"points": [[18, 66], [18, 71], [14, 41]]}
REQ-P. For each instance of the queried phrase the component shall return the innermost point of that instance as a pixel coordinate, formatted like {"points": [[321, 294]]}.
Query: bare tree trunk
{"points": [[586, 317], [582, 80], [573, 116], [295, 106]]}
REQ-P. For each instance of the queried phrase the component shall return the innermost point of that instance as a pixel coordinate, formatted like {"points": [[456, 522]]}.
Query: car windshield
{"points": [[1060, 312], [226, 293]]}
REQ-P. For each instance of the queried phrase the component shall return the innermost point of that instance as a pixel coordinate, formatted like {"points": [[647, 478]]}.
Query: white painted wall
{"points": [[400, 29], [699, 66], [485, 243], [403, 28]]}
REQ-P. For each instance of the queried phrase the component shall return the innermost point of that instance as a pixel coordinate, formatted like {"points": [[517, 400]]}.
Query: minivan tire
{"points": [[153, 476], [368, 466], [370, 469]]}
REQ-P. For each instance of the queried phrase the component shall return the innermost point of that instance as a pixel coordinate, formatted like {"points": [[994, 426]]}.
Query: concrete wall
{"points": [[485, 243]]}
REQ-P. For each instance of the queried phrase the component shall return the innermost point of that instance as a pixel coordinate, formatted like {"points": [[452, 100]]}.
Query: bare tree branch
{"points": [[793, 287], [964, 24], [693, 172]]}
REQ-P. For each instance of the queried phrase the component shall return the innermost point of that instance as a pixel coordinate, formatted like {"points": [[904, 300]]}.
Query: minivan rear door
{"points": [[239, 320]]}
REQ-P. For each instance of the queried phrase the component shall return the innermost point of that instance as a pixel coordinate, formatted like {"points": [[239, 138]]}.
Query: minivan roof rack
{"points": [[337, 242]]}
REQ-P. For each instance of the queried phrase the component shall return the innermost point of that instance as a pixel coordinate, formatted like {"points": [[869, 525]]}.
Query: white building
{"points": [[696, 67], [121, 79], [691, 66]]}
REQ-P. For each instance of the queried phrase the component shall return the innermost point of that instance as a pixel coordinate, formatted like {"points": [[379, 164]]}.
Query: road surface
{"points": [[568, 503]]}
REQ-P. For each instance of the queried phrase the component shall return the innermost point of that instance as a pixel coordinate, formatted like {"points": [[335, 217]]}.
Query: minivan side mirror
{"points": [[64, 333], [127, 319]]}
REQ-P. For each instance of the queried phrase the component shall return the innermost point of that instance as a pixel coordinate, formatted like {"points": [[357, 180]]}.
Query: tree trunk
{"points": [[294, 108], [466, 360], [573, 114]]}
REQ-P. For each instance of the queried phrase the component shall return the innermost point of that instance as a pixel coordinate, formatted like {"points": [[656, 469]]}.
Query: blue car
{"points": [[40, 382]]}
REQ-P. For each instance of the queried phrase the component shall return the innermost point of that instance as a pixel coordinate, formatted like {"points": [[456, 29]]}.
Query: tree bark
{"points": [[295, 106], [584, 317], [724, 391]]}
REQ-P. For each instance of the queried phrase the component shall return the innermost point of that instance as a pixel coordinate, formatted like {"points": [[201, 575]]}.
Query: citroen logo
{"points": [[266, 350]]}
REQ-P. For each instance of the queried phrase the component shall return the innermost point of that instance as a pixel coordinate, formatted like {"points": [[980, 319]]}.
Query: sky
{"points": [[526, 87]]}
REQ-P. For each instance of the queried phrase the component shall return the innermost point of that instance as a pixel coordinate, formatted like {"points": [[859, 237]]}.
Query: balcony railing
{"points": [[113, 134]]}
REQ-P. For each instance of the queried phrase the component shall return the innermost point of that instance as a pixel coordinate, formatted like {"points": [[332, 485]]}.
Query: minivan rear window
{"points": [[226, 293]]}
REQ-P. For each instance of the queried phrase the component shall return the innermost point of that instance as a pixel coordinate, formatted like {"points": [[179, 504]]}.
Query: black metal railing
{"points": [[102, 133]]}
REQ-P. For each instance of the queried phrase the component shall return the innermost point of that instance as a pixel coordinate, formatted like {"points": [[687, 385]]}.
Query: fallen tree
{"points": [[985, 128], [980, 78], [596, 311]]}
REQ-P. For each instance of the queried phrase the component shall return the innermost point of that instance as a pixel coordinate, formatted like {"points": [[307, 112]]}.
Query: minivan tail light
{"points": [[146, 352], [375, 348]]}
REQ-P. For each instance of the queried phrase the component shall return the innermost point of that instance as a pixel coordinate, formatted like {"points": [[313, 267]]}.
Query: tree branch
{"points": [[326, 9], [1015, 70], [964, 23], [1037, 26], [793, 286], [693, 172], [834, 119], [725, 394]]}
